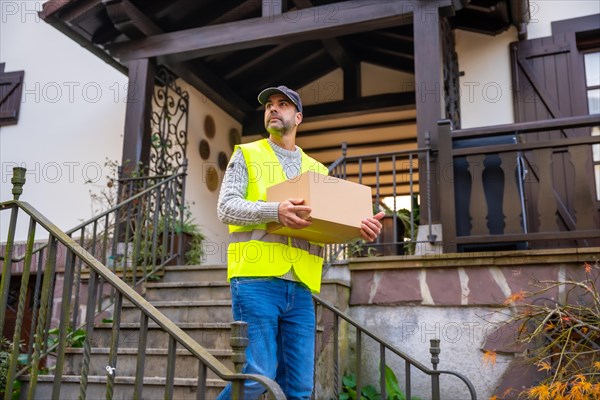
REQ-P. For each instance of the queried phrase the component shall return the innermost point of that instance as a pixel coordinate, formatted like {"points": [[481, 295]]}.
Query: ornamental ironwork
{"points": [[169, 125], [451, 75]]}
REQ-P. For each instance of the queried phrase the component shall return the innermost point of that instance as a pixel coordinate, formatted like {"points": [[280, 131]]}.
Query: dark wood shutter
{"points": [[11, 88], [549, 83]]}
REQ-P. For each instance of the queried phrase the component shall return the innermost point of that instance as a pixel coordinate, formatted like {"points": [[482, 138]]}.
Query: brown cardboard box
{"points": [[338, 207]]}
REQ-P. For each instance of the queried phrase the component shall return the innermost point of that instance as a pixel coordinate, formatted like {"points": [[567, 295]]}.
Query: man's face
{"points": [[281, 115]]}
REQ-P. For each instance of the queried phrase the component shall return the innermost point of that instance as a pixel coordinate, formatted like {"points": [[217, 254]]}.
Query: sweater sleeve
{"points": [[232, 207]]}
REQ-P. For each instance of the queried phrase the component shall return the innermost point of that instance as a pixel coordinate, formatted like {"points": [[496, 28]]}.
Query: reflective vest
{"points": [[253, 251]]}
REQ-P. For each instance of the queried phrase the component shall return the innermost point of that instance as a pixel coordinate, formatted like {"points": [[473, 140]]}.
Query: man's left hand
{"points": [[371, 227]]}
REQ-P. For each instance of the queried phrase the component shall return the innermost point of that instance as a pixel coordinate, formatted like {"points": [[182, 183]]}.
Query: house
{"points": [[485, 110]]}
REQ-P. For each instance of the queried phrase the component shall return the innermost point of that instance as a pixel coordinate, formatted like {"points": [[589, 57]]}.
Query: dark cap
{"points": [[284, 90]]}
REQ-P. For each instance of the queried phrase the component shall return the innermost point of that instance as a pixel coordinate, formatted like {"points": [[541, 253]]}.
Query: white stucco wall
{"points": [[202, 201], [486, 97], [486, 86], [543, 12], [71, 119]]}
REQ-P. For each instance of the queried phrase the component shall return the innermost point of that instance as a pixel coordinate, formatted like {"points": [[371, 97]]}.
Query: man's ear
{"points": [[298, 118]]}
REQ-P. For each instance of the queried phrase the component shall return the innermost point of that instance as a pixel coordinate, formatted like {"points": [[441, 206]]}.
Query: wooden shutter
{"points": [[11, 88], [549, 83]]}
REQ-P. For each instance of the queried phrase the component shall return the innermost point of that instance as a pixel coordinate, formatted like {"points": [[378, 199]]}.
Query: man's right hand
{"points": [[288, 213]]}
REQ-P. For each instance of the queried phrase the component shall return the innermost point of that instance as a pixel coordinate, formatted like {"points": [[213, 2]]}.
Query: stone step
{"points": [[209, 335], [186, 365], [154, 388], [184, 311], [187, 291], [195, 273]]}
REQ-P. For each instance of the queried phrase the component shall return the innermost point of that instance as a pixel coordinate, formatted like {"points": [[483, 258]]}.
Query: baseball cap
{"points": [[284, 90]]}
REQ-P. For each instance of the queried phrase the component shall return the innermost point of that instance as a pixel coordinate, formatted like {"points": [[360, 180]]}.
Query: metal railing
{"points": [[389, 175], [331, 327], [41, 354]]}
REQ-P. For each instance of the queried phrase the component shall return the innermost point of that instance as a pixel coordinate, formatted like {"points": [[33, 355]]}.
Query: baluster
{"points": [[10, 376], [111, 367], [44, 316], [170, 378], [141, 357], [408, 379], [358, 362], [202, 373], [238, 342], [382, 370], [546, 200], [477, 211], [434, 349], [336, 356], [511, 204], [89, 332], [65, 308], [583, 200]]}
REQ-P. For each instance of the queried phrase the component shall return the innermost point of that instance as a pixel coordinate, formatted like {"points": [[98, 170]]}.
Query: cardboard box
{"points": [[338, 207]]}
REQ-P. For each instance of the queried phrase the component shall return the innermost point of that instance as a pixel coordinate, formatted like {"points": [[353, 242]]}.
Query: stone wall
{"points": [[457, 298]]}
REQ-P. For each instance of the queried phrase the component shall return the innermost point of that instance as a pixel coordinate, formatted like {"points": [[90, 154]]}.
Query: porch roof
{"points": [[310, 39]]}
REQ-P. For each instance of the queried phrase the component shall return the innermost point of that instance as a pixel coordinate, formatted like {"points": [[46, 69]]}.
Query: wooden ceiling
{"points": [[231, 49], [237, 58]]}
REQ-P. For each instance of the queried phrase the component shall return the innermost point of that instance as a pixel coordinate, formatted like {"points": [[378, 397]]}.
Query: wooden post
{"points": [[137, 138], [446, 163], [428, 95]]}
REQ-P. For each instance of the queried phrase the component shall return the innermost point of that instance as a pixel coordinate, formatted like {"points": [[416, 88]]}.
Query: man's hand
{"points": [[371, 227], [289, 211]]}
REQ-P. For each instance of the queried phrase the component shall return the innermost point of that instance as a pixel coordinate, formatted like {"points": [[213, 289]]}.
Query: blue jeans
{"points": [[281, 328]]}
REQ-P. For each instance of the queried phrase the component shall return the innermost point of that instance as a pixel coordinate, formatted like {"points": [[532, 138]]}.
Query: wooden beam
{"points": [[136, 140], [127, 16], [331, 20]]}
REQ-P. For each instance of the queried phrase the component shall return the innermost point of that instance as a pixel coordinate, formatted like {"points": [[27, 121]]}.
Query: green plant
{"points": [[6, 348], [74, 338], [369, 392]]}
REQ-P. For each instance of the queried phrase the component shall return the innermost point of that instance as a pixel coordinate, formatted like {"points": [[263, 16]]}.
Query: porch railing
{"points": [[103, 287], [330, 320], [520, 186], [389, 175]]}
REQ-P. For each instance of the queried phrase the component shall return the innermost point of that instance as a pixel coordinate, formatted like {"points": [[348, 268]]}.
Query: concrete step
{"points": [[195, 273], [185, 311], [186, 365], [187, 291], [154, 388], [209, 335]]}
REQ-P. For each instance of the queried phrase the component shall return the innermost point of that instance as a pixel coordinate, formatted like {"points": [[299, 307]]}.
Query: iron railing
{"points": [[41, 355], [389, 175], [330, 319], [519, 186]]}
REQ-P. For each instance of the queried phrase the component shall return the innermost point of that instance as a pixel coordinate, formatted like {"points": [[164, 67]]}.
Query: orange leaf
{"points": [[588, 267], [514, 298], [543, 366], [489, 357]]}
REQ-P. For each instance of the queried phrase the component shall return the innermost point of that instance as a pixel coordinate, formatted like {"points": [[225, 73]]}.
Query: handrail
{"points": [[176, 333], [434, 373], [528, 127], [121, 205]]}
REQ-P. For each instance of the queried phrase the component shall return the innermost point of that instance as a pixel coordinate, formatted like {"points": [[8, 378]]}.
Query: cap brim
{"points": [[268, 92]]}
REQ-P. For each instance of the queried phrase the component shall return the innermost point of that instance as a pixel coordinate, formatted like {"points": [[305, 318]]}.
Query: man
{"points": [[272, 276]]}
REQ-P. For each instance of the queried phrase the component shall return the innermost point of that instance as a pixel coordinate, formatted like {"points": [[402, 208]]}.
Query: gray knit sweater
{"points": [[234, 209]]}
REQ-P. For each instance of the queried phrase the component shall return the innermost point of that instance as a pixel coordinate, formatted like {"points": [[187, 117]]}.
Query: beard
{"points": [[278, 129]]}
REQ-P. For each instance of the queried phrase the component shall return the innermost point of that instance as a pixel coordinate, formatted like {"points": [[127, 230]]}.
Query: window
{"points": [[11, 87], [592, 83]]}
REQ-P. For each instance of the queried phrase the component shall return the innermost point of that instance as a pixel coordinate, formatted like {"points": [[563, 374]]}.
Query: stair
{"points": [[197, 299]]}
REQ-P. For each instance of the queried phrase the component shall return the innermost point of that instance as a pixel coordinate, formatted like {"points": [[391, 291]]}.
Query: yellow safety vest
{"points": [[253, 251]]}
